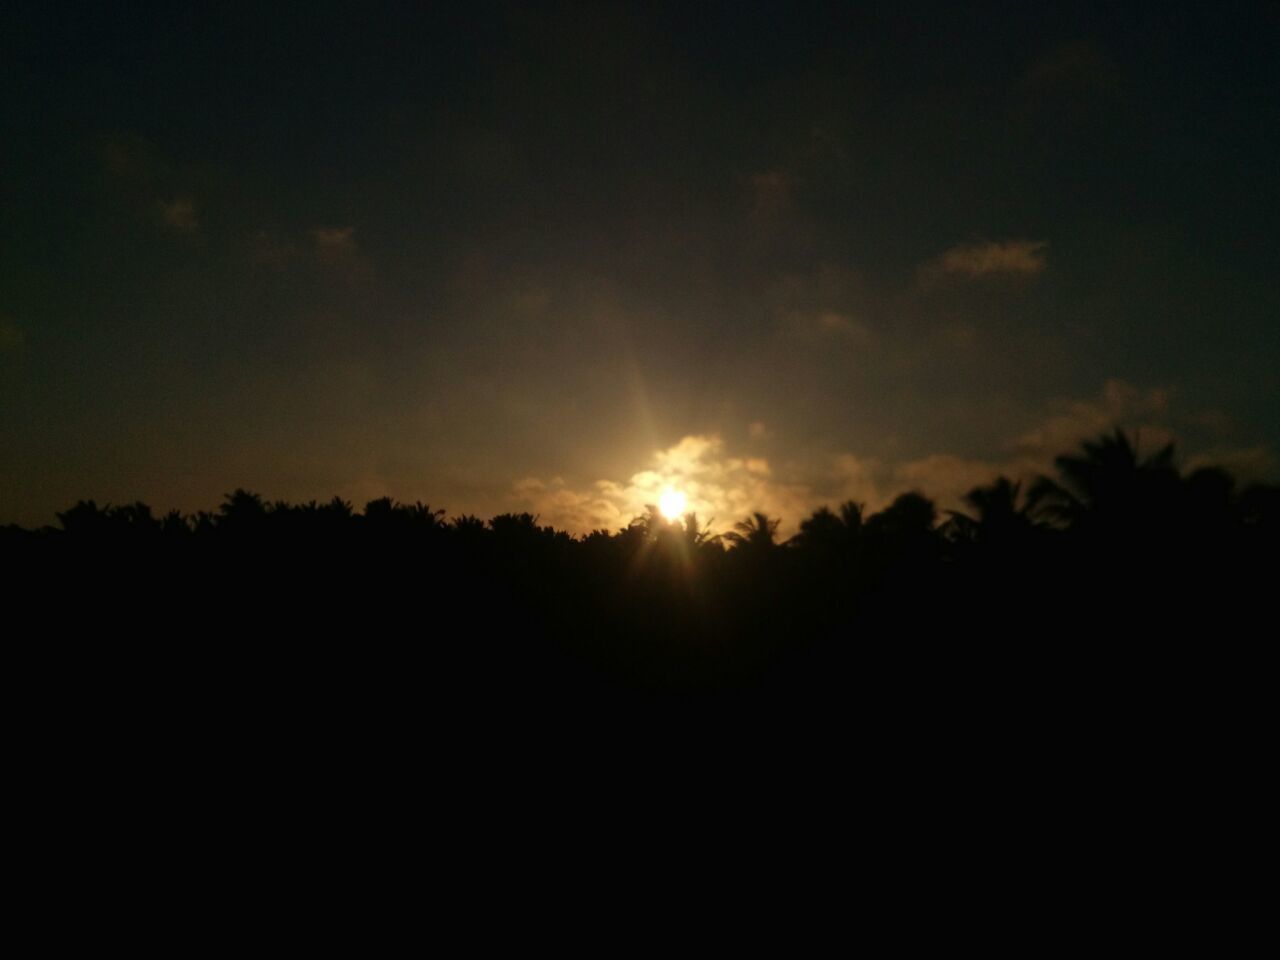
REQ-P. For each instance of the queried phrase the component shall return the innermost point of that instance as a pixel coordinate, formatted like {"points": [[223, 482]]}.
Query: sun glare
{"points": [[671, 503]]}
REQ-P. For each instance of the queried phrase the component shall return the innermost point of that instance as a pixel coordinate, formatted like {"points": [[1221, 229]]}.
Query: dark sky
{"points": [[558, 257]]}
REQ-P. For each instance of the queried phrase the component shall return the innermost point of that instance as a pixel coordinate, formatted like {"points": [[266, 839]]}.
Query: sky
{"points": [[562, 257]]}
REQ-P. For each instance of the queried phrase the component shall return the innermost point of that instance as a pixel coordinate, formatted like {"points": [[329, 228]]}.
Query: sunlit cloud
{"points": [[327, 246], [1144, 411], [578, 511], [724, 486], [828, 304], [719, 487], [973, 261], [828, 324], [336, 249], [334, 240], [947, 478], [860, 479]]}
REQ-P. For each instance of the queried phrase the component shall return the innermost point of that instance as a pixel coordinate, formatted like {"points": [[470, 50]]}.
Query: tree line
{"points": [[1115, 556], [1105, 490]]}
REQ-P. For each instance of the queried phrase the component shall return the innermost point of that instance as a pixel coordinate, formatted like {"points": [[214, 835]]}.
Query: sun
{"points": [[672, 503]]}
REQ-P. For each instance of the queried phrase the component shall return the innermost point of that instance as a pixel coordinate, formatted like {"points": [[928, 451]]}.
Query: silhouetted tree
{"points": [[242, 512], [911, 516], [85, 519], [696, 537], [661, 605], [997, 519], [757, 533], [903, 537], [829, 534], [468, 525], [175, 525], [423, 518], [652, 524], [1107, 489]]}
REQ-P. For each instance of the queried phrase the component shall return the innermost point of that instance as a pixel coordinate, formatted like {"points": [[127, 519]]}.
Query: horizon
{"points": [[675, 507], [568, 260]]}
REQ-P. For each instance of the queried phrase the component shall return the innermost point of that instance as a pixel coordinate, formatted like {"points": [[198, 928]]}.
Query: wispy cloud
{"points": [[1120, 403], [152, 183], [334, 240], [973, 261], [328, 246], [828, 303], [829, 325]]}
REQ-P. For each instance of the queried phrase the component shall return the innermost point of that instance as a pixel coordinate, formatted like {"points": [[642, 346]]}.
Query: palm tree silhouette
{"points": [[242, 512], [756, 533], [696, 537], [911, 516], [997, 516], [826, 532], [1107, 487]]}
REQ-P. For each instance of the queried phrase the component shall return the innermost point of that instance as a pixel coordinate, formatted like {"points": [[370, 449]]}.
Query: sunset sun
{"points": [[672, 504]]}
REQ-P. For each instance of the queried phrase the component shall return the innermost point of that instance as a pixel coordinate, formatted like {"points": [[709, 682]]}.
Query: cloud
{"points": [[947, 478], [180, 215], [859, 479], [829, 324], [1120, 404], [578, 511], [334, 240], [943, 477], [333, 248], [719, 487], [149, 182], [336, 249], [1145, 414], [825, 304], [1215, 422], [1256, 464], [1012, 258], [724, 486]]}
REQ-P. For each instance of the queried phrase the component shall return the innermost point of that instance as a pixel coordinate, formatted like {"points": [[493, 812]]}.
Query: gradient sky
{"points": [[557, 256]]}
